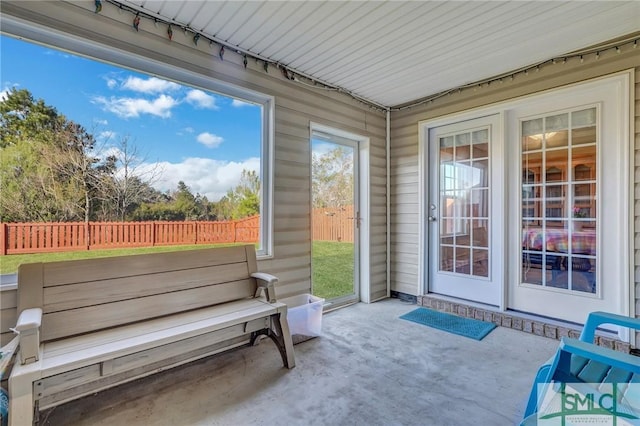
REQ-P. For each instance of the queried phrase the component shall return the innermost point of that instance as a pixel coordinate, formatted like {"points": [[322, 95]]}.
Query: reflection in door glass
{"points": [[464, 203], [559, 201]]}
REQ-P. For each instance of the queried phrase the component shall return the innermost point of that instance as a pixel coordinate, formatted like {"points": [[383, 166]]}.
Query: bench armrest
{"points": [[28, 329], [266, 282], [596, 319]]}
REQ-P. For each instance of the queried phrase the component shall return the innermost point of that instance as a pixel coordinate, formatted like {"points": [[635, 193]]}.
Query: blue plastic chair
{"points": [[582, 361]]}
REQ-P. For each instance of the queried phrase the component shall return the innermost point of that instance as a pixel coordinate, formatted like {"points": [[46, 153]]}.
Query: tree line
{"points": [[332, 178], [52, 169]]}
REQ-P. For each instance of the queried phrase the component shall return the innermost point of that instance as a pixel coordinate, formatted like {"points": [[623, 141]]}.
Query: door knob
{"points": [[432, 218]]}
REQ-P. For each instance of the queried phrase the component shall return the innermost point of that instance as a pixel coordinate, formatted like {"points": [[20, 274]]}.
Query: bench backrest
{"points": [[82, 296]]}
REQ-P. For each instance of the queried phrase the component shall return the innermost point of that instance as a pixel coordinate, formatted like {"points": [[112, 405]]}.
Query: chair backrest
{"points": [[82, 296]]}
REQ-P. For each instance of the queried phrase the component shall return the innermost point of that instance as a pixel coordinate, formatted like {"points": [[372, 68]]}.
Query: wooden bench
{"points": [[88, 325]]}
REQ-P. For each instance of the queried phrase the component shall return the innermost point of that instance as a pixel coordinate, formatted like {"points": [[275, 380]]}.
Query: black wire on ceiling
{"points": [[313, 82]]}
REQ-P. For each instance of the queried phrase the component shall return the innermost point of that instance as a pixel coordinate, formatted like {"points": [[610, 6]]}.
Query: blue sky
{"points": [[202, 138]]}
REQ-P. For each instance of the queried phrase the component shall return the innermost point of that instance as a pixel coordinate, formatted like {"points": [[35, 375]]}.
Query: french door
{"points": [[569, 221], [527, 203], [464, 214]]}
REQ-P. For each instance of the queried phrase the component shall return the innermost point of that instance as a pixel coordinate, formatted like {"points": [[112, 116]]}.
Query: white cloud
{"points": [[101, 153], [100, 121], [7, 88], [111, 151], [200, 99], [112, 83], [59, 53], [106, 135], [189, 130], [150, 85], [205, 176], [238, 103], [132, 107], [321, 149], [209, 139]]}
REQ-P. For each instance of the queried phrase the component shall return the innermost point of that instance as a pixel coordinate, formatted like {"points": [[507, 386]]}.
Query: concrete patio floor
{"points": [[368, 368]]}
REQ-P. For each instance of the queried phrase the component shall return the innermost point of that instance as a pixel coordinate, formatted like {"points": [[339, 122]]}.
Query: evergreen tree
{"points": [[46, 170], [241, 201]]}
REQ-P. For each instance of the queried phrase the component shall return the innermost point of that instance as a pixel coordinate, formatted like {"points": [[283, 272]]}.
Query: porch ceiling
{"points": [[395, 52]]}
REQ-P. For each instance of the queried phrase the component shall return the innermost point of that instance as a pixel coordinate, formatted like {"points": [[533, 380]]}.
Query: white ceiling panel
{"points": [[260, 22], [317, 27], [395, 52], [169, 9], [203, 16], [283, 27]]}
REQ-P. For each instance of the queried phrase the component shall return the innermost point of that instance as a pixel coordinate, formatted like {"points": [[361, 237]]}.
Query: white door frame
{"points": [[362, 249], [502, 108], [498, 163], [486, 290]]}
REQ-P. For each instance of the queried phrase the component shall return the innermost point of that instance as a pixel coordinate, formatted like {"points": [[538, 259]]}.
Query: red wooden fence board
{"points": [[328, 224]]}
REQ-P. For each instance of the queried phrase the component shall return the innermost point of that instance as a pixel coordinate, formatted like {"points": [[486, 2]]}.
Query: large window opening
{"points": [[98, 159]]}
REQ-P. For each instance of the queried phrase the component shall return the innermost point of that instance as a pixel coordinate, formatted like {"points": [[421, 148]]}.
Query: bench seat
{"points": [[77, 358]]}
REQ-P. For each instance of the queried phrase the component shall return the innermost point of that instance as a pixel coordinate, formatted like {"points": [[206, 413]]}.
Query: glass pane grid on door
{"points": [[464, 200], [559, 201]]}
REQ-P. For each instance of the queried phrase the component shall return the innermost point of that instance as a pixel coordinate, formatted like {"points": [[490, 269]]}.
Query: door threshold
{"points": [[525, 322], [332, 306]]}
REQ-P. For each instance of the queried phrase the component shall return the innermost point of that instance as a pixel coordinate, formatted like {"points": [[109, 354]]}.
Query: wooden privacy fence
{"points": [[333, 224], [328, 224], [22, 238]]}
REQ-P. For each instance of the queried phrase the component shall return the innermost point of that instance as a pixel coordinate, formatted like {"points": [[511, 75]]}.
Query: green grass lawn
{"points": [[332, 265]]}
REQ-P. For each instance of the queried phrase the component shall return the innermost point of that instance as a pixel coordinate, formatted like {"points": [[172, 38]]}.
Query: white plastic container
{"points": [[304, 316]]}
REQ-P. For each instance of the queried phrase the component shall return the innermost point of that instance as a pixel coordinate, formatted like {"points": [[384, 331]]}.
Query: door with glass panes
{"points": [[568, 168], [464, 218]]}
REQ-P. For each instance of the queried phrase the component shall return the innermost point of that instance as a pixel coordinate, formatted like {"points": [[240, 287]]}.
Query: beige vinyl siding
{"points": [[378, 213], [404, 151], [296, 105], [404, 209]]}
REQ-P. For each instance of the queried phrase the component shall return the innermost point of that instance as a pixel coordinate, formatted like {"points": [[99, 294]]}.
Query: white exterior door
{"points": [[337, 217], [569, 202], [464, 214]]}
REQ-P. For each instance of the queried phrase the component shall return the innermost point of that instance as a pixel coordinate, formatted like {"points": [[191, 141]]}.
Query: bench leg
{"points": [[20, 402], [281, 337], [282, 328]]}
